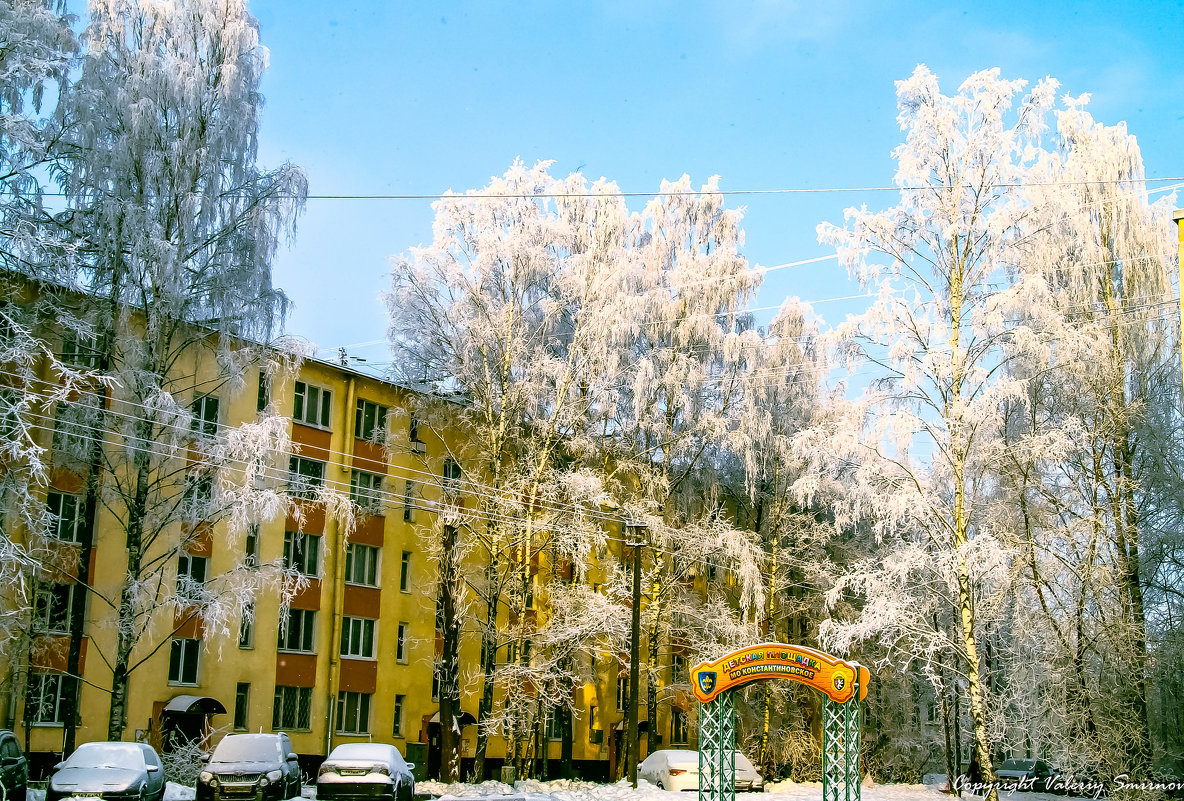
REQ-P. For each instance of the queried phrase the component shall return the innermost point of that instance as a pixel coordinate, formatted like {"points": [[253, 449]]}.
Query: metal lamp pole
{"points": [[636, 531]]}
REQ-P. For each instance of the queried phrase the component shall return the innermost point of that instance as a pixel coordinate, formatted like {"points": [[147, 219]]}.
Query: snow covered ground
{"points": [[564, 790], [172, 792]]}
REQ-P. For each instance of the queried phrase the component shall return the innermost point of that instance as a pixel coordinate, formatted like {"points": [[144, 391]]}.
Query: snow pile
{"points": [[178, 792], [34, 795]]}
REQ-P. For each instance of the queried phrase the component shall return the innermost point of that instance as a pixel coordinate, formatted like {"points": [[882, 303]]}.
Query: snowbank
{"points": [[178, 792]]}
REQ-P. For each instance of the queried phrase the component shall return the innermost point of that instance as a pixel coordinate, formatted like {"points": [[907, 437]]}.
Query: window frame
{"points": [[61, 685], [301, 706], [302, 484], [242, 704], [397, 724], [356, 634], [246, 627], [292, 548], [47, 613], [365, 490], [201, 424], [188, 647], [323, 415], [402, 643], [378, 429], [361, 702], [300, 625], [371, 564], [405, 572]]}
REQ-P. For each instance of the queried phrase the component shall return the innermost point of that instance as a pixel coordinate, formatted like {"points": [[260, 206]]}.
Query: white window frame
{"points": [[370, 557], [246, 627], [355, 632], [202, 424], [365, 489], [311, 550], [54, 700], [397, 725], [402, 644], [305, 623], [320, 417], [360, 703], [190, 649], [405, 572], [378, 426], [44, 607], [301, 484]]}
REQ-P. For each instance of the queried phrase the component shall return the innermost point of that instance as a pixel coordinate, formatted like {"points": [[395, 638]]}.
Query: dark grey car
{"points": [[14, 768], [251, 767], [122, 771]]}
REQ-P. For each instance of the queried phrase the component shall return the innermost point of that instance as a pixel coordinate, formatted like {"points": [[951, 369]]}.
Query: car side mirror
{"points": [[410, 766], [294, 758], [152, 769], [59, 766]]}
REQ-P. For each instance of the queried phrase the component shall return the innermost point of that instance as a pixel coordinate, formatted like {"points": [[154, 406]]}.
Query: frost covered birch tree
{"points": [[921, 449], [175, 226], [509, 310]]}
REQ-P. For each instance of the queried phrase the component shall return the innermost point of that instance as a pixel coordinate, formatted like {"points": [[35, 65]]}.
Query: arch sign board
{"points": [[832, 677], [844, 685]]}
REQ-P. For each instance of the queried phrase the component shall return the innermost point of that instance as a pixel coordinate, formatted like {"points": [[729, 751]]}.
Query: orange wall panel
{"points": [[359, 675], [370, 530], [361, 601], [296, 670], [369, 457], [309, 597]]}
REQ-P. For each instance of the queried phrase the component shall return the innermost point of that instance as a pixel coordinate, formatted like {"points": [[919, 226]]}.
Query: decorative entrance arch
{"points": [[843, 683]]}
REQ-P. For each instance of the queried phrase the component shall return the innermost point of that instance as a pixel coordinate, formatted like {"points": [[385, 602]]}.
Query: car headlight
{"points": [[205, 777], [263, 781], [275, 775]]}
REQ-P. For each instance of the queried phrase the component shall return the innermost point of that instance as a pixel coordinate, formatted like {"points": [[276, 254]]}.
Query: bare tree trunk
{"points": [[450, 586]]}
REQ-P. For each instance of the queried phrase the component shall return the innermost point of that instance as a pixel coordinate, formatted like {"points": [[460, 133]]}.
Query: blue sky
{"points": [[374, 97]]}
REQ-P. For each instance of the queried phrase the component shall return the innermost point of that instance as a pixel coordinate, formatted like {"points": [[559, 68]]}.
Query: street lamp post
{"points": [[635, 532]]}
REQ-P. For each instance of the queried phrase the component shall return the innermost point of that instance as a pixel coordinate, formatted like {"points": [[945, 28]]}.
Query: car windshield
{"points": [[742, 762], [1017, 764], [248, 748], [107, 755]]}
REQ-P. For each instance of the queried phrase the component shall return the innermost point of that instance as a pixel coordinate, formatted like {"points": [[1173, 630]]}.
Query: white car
{"points": [[371, 771], [678, 770]]}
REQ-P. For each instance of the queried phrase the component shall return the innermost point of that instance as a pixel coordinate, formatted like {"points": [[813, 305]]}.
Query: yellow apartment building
{"points": [[353, 658]]}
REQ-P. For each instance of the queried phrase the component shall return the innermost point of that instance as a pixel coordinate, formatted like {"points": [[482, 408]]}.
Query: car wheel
{"points": [[660, 786]]}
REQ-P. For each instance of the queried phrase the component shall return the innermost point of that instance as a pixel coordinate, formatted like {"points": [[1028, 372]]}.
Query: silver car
{"points": [[124, 771], [365, 771]]}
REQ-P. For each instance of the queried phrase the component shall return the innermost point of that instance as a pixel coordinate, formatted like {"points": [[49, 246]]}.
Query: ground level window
{"points": [[397, 728], [353, 713], [242, 698], [48, 696], [678, 726], [292, 709]]}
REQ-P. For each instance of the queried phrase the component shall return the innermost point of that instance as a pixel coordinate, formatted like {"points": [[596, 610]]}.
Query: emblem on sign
{"points": [[840, 682], [707, 681]]}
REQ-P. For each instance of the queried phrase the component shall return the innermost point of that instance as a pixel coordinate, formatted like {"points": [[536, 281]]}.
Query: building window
{"points": [[199, 495], [622, 691], [370, 421], [302, 552], [251, 549], [264, 393], [80, 351], [242, 698], [397, 726], [304, 476], [205, 416], [183, 661], [678, 726], [51, 608], [69, 524], [298, 632], [365, 489], [311, 405], [405, 572], [191, 575], [357, 637], [74, 427], [436, 683], [678, 669], [47, 697], [246, 627], [451, 476], [361, 564], [353, 713], [554, 727], [401, 643], [409, 496], [292, 708]]}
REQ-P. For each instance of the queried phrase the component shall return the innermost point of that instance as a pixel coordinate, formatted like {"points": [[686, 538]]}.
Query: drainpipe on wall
{"points": [[336, 547]]}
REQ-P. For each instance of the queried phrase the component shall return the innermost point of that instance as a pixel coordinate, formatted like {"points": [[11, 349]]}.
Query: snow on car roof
{"points": [[362, 751]]}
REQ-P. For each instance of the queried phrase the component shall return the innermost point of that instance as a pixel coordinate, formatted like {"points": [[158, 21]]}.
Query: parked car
{"points": [[1026, 774], [14, 768], [263, 767], [124, 771], [678, 770], [365, 771]]}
